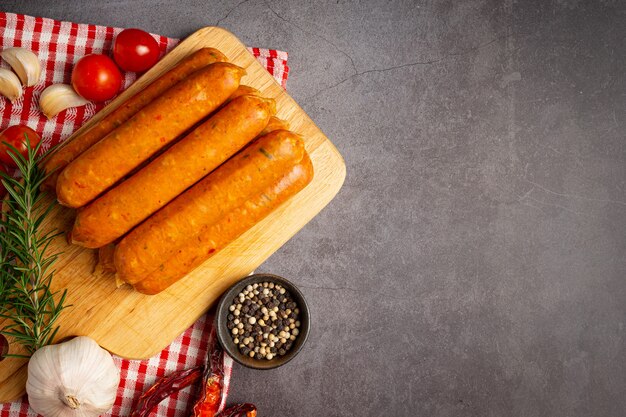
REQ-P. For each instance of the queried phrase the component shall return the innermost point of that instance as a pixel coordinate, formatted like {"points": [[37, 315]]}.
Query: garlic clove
{"points": [[24, 63], [58, 97], [10, 85]]}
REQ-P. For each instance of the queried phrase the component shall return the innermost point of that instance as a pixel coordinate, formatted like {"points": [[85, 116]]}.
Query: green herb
{"points": [[26, 300], [266, 153]]}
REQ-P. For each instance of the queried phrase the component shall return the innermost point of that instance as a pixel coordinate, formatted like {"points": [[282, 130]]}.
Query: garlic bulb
{"points": [[58, 97], [73, 379], [10, 85], [24, 63]]}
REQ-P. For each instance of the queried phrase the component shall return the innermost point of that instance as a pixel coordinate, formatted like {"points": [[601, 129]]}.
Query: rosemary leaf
{"points": [[27, 302]]}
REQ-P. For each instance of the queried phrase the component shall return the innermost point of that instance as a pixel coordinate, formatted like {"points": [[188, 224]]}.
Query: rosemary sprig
{"points": [[26, 273]]}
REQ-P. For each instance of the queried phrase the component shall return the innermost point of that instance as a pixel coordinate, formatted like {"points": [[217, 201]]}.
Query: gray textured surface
{"points": [[474, 262]]}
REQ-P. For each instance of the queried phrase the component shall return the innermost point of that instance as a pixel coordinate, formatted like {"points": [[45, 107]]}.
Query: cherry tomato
{"points": [[96, 77], [4, 343], [135, 50], [3, 191], [16, 137]]}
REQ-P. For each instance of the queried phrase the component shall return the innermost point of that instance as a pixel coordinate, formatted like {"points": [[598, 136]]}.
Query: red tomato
{"points": [[3, 191], [16, 137], [135, 50], [96, 77], [4, 344]]}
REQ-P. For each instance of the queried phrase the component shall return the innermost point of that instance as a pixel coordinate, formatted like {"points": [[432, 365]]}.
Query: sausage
{"points": [[240, 91], [153, 127], [234, 224], [275, 124], [243, 90], [76, 146], [105, 253], [257, 166], [193, 157], [105, 263]]}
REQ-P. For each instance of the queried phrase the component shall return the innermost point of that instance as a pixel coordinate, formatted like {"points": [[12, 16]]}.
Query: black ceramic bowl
{"points": [[225, 338]]}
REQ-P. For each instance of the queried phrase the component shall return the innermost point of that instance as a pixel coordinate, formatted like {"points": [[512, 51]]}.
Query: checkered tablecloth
{"points": [[59, 45]]}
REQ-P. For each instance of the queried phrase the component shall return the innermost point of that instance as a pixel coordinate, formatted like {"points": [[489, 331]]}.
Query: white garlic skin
{"points": [[10, 85], [73, 379], [25, 64], [58, 97]]}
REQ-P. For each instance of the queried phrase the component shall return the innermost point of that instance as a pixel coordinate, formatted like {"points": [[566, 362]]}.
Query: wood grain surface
{"points": [[136, 326]]}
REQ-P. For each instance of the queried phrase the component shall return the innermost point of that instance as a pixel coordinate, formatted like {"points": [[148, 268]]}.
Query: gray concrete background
{"points": [[474, 262]]}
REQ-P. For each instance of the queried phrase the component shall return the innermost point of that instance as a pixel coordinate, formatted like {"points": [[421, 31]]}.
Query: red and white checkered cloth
{"points": [[59, 45]]}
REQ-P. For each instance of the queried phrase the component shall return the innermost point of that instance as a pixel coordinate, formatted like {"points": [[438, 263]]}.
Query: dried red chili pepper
{"points": [[212, 381], [239, 410], [164, 388], [211, 393]]}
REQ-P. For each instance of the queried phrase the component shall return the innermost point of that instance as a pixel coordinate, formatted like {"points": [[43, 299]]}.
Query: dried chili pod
{"points": [[239, 410], [164, 388], [212, 381]]}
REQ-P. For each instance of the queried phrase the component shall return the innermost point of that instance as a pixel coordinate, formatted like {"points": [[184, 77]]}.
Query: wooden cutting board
{"points": [[138, 326]]}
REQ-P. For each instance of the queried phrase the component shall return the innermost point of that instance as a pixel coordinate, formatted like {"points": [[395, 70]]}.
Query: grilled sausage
{"points": [[204, 149], [76, 146], [153, 127], [234, 224], [163, 234]]}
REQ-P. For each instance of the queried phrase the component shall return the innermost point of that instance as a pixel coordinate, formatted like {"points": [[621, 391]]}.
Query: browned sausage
{"points": [[153, 127], [229, 228], [162, 235], [76, 146], [200, 152]]}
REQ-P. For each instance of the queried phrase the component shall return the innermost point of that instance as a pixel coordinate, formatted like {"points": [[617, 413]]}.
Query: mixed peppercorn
{"points": [[264, 320]]}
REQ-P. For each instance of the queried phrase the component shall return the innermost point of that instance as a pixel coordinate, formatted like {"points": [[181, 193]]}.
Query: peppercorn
{"points": [[263, 320]]}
